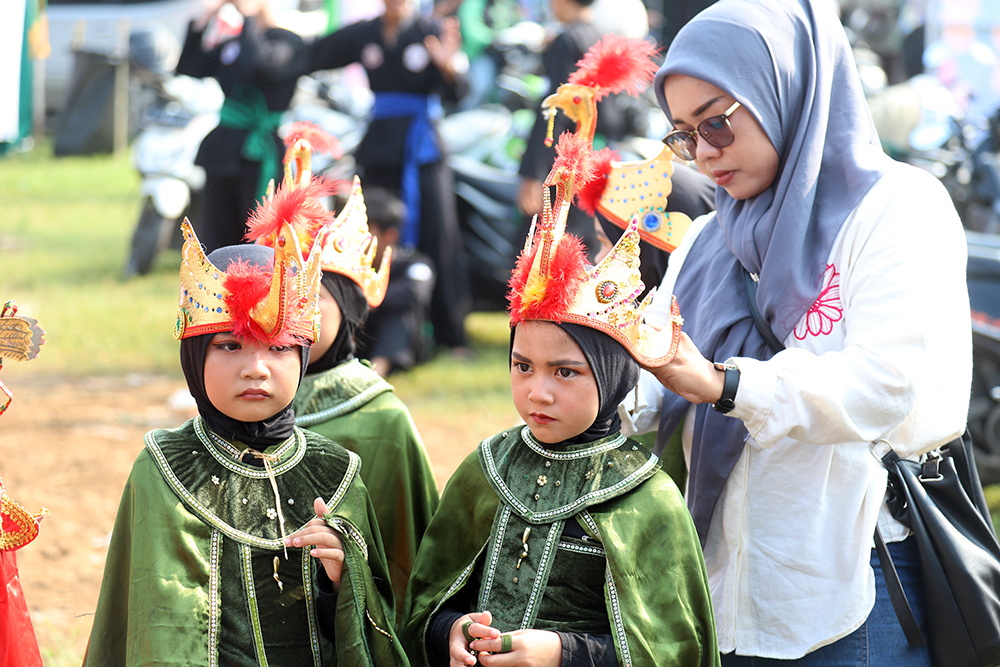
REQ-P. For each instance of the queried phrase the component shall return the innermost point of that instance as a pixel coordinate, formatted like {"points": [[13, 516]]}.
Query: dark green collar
{"points": [[542, 485], [335, 392]]}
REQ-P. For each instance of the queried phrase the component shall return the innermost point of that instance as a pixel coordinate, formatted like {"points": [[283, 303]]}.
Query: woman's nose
{"points": [[703, 149]]}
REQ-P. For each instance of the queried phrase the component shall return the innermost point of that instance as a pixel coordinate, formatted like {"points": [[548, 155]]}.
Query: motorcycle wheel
{"points": [[152, 234]]}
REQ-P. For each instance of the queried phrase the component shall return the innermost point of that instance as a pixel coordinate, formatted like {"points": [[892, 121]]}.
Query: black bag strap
{"points": [[896, 593], [762, 326]]}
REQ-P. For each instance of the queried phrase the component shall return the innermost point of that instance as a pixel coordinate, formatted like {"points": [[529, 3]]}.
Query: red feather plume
{"points": [[246, 285], [567, 267], [575, 155], [300, 206], [590, 192], [320, 140], [616, 64]]}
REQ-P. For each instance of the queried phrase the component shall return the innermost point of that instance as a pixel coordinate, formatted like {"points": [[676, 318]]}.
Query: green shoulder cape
{"points": [[656, 591], [353, 406], [196, 573]]}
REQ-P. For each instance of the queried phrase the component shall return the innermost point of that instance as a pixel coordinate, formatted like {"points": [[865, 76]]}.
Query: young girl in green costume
{"points": [[561, 542], [224, 522], [342, 397]]}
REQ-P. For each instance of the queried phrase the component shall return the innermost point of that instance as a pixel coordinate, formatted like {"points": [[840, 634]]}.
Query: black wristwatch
{"points": [[727, 402]]}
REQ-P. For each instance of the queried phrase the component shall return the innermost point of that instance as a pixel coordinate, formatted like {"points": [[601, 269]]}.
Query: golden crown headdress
{"points": [[638, 189], [620, 190], [276, 305], [348, 248], [552, 280]]}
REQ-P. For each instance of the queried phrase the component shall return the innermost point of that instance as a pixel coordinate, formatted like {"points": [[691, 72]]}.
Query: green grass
{"points": [[65, 228]]}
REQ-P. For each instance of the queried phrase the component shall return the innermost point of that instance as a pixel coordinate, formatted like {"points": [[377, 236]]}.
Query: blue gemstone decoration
{"points": [[651, 222], [646, 184]]}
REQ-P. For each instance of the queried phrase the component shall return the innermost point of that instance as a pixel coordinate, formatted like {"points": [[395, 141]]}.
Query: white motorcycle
{"points": [[163, 151]]}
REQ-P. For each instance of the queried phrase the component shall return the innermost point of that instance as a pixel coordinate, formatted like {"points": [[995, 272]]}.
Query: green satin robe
{"points": [[196, 556], [353, 406], [655, 587]]}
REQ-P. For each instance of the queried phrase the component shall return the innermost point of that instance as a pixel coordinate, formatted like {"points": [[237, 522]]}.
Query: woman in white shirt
{"points": [[861, 269]]}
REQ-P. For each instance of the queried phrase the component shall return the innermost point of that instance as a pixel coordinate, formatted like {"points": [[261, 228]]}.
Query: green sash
{"points": [[249, 112]]}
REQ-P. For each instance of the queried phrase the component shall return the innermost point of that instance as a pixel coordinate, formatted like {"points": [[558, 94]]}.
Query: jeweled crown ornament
{"points": [[552, 280], [21, 339], [637, 189], [348, 247], [613, 65], [277, 305], [621, 190]]}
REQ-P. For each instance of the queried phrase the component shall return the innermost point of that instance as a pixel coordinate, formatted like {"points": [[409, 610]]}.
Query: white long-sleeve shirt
{"points": [[886, 352]]}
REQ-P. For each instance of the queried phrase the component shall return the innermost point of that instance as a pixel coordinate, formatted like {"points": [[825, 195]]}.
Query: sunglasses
{"points": [[716, 130]]}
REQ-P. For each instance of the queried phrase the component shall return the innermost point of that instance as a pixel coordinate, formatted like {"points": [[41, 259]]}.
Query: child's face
{"points": [[249, 381], [554, 390], [331, 317]]}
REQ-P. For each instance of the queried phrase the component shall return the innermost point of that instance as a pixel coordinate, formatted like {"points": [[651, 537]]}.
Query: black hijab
{"points": [[353, 311], [615, 371], [274, 429]]}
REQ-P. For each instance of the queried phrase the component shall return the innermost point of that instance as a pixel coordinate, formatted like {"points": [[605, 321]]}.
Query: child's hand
{"points": [[526, 648], [458, 645], [327, 545]]}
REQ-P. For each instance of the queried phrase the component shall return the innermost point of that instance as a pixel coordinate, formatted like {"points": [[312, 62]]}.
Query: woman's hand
{"points": [[529, 196], [690, 375], [327, 546], [210, 9], [443, 51], [458, 646], [528, 648]]}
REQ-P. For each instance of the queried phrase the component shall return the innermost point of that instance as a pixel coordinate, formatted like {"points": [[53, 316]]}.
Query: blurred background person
{"points": [[559, 60], [395, 334], [412, 63], [257, 70]]}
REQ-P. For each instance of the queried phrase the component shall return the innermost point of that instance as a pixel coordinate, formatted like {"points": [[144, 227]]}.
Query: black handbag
{"points": [[941, 501]]}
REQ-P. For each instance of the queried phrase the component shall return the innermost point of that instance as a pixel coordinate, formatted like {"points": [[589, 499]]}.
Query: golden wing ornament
{"points": [[20, 339]]}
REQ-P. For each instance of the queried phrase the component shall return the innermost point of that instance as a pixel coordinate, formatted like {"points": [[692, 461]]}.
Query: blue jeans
{"points": [[880, 641]]}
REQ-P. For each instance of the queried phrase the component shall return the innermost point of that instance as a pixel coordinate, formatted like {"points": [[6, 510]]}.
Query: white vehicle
{"points": [[103, 26]]}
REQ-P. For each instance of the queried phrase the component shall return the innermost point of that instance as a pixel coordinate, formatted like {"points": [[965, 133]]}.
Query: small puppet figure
{"points": [[20, 339]]}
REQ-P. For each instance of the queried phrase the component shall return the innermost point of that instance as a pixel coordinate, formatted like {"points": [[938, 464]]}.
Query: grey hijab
{"points": [[788, 62]]}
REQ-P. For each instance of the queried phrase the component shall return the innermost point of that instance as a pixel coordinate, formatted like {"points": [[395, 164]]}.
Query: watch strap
{"points": [[727, 401]]}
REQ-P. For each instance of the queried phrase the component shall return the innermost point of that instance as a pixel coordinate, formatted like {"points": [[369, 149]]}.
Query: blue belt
{"points": [[421, 148]]}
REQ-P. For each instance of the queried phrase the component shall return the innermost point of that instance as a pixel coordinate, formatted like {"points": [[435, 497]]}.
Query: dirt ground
{"points": [[69, 446]]}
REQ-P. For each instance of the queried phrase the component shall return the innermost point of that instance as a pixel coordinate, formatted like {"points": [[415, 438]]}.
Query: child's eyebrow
{"points": [[551, 364], [566, 362]]}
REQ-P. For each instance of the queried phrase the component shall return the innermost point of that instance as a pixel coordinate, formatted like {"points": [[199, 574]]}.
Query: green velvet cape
{"points": [[353, 406], [193, 569], [655, 587]]}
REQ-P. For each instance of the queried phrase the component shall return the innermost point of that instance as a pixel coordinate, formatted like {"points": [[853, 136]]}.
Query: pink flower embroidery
{"points": [[826, 310]]}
